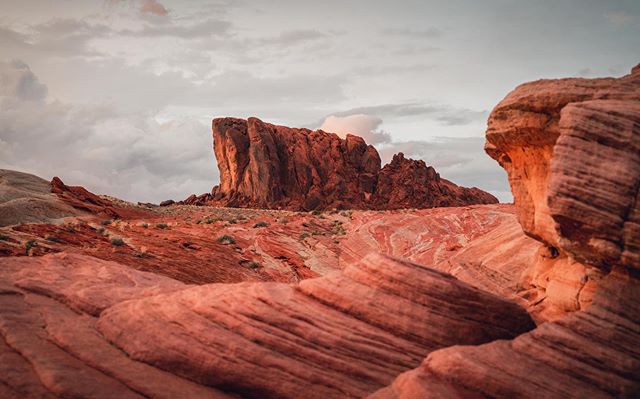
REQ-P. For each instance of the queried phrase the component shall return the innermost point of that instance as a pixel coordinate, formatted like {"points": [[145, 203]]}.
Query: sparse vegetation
{"points": [[106, 222], [145, 225], [241, 217], [283, 221], [118, 242], [53, 239], [4, 237], [162, 226], [30, 244], [254, 265], [226, 239], [337, 228], [333, 211], [346, 214], [316, 212], [100, 230], [260, 224], [233, 221], [304, 235]]}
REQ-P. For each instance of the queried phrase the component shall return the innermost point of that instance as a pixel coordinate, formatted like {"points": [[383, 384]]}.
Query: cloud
{"points": [[430, 33], [447, 115], [17, 81], [621, 18], [132, 155], [365, 126], [291, 37]]}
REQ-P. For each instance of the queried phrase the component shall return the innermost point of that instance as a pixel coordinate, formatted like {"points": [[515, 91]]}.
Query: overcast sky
{"points": [[118, 95]]}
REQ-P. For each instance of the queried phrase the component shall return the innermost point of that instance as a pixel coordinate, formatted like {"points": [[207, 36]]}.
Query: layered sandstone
{"points": [[408, 183], [570, 147], [267, 166]]}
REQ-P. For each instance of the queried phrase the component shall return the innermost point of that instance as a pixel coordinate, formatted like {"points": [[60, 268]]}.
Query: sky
{"points": [[118, 95]]}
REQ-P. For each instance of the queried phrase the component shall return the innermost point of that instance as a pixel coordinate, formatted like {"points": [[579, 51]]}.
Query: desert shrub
{"points": [[4, 237], [304, 235], [260, 224], [100, 230], [241, 217], [106, 222], [145, 225], [30, 244], [333, 211], [52, 239], [162, 226], [316, 212], [118, 242], [226, 239], [233, 221], [338, 230], [254, 265], [283, 221]]}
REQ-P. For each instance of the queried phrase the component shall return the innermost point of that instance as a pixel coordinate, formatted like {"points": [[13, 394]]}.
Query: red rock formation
{"points": [[337, 336], [407, 183], [571, 148], [83, 200], [267, 166]]}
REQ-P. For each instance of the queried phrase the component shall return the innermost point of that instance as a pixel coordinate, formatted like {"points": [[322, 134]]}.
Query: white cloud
{"points": [[365, 126], [128, 155]]}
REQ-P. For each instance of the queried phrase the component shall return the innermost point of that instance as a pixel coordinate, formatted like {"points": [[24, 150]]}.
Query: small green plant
{"points": [[30, 244], [241, 217], [100, 230], [53, 239], [118, 242], [226, 239], [145, 225], [346, 214], [106, 222], [304, 235], [254, 265], [338, 230], [162, 226], [316, 212], [333, 211], [198, 221], [3, 237], [260, 224], [208, 221], [233, 221], [283, 221]]}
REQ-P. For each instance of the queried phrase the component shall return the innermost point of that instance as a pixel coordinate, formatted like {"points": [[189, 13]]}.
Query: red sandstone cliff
{"points": [[268, 166]]}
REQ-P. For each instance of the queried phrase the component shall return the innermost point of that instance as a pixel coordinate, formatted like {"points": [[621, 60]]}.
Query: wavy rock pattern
{"points": [[343, 335], [570, 147]]}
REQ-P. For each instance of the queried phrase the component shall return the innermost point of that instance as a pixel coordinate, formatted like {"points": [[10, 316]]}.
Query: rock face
{"points": [[83, 200], [571, 148], [267, 166], [25, 198], [408, 183], [338, 336]]}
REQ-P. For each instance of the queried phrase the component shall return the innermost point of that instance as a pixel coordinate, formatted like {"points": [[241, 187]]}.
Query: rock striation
{"points": [[267, 166], [570, 147], [342, 335]]}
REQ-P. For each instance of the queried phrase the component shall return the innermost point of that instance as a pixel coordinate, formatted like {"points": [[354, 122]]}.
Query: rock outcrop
{"points": [[408, 183], [25, 198], [338, 336], [267, 166], [571, 149]]}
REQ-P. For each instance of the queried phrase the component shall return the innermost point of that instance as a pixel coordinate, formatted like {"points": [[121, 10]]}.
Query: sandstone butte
{"points": [[267, 166], [534, 300]]}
